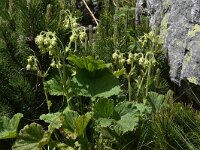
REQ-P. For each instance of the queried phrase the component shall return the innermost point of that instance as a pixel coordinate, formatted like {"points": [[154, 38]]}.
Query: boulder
{"points": [[178, 24]]}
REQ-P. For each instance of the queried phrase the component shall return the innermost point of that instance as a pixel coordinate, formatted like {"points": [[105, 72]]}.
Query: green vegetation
{"points": [[65, 86]]}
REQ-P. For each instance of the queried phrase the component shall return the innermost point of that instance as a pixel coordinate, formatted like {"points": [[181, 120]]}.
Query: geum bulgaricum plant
{"points": [[90, 78], [49, 43], [142, 67], [69, 123]]}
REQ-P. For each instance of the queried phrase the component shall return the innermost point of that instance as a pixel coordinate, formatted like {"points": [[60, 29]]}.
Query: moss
{"points": [[195, 29]]}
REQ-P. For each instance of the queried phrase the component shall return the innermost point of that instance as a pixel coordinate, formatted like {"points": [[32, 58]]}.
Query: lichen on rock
{"points": [[195, 29]]}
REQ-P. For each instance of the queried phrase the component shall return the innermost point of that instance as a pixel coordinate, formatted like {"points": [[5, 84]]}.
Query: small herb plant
{"points": [[90, 78]]}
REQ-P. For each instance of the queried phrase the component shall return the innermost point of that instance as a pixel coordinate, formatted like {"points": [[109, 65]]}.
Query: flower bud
{"points": [[53, 42], [53, 63], [74, 25], [50, 47], [58, 65], [122, 61], [50, 52], [129, 61], [130, 56], [141, 61], [28, 67], [46, 41], [39, 39], [29, 60], [121, 56], [146, 62], [136, 56], [66, 23], [34, 66], [115, 56], [82, 36], [72, 37], [154, 62], [151, 34]]}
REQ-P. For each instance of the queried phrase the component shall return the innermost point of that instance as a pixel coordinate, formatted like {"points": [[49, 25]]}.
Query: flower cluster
{"points": [[78, 31], [143, 60], [55, 63], [147, 60], [149, 37], [46, 42], [122, 59], [32, 63]]}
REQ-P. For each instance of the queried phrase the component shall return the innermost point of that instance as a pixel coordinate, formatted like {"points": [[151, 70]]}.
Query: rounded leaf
{"points": [[31, 137]]}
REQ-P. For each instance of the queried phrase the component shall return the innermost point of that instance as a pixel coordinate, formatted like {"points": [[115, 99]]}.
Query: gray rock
{"points": [[178, 23]]}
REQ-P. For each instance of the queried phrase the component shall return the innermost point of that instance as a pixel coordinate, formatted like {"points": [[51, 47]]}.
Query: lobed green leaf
{"points": [[89, 63], [103, 84], [8, 127], [31, 137]]}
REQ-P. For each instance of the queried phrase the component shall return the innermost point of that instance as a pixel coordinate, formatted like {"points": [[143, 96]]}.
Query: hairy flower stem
{"points": [[90, 35], [141, 83], [75, 46], [129, 87], [85, 46], [46, 97], [148, 80], [129, 81], [62, 72], [64, 78]]}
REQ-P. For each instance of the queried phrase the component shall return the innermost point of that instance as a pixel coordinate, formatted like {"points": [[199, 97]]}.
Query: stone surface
{"points": [[178, 23]]}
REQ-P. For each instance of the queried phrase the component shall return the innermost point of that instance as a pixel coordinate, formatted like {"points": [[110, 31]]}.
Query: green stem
{"points": [[64, 78], [129, 87], [75, 45], [46, 96], [62, 72], [45, 92], [140, 85], [148, 80], [63, 49], [90, 34], [85, 46]]}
